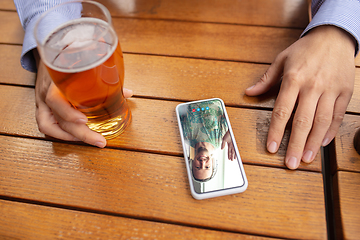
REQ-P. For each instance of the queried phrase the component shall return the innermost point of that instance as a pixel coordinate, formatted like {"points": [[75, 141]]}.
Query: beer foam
{"points": [[77, 34]]}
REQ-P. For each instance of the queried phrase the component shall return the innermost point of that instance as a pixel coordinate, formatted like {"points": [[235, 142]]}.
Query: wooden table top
{"points": [[137, 186]]}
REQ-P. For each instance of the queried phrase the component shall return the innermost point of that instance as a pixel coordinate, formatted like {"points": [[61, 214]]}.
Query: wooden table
{"points": [[174, 51]]}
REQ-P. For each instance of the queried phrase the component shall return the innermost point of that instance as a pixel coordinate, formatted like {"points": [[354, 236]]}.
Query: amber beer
{"points": [[90, 72]]}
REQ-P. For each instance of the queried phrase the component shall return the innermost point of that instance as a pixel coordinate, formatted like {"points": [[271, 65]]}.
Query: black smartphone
{"points": [[213, 162]]}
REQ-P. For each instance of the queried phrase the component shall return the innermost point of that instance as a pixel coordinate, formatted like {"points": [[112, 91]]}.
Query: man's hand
{"points": [[231, 149], [318, 73], [57, 118]]}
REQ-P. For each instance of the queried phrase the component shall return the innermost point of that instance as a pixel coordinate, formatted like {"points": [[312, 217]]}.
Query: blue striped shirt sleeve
{"points": [[344, 14], [29, 11]]}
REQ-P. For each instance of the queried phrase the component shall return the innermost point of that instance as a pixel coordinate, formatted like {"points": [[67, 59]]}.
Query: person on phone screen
{"points": [[205, 129]]}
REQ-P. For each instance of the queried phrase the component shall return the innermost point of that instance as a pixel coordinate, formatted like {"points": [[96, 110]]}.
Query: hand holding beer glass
{"points": [[81, 52]]}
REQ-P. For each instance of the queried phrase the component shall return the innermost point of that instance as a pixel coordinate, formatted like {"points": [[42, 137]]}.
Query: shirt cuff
{"points": [[342, 14], [27, 59]]}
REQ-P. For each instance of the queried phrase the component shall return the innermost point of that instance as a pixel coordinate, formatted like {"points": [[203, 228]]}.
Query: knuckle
{"points": [[296, 146], [322, 120], [292, 76], [338, 117], [264, 77], [84, 138], [281, 113], [302, 122]]}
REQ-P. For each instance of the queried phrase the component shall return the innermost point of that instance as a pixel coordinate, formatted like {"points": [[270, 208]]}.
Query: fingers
{"points": [[301, 127], [82, 132], [127, 93], [337, 118], [231, 152], [58, 119], [48, 124], [283, 108], [322, 120], [59, 105]]}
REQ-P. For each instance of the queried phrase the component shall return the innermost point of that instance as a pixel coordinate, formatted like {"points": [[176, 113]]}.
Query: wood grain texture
{"points": [[118, 181], [355, 100], [224, 36], [347, 198], [11, 71], [185, 39], [344, 157], [7, 5], [188, 79], [154, 127], [203, 40], [280, 13], [29, 221], [10, 24], [177, 78]]}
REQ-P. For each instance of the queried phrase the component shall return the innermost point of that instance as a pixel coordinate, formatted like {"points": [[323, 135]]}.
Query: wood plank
{"points": [[347, 198], [29, 221], [185, 39], [12, 72], [189, 79], [82, 177], [203, 40], [154, 127], [169, 73], [344, 156], [355, 100], [280, 13], [10, 24], [7, 5], [187, 76], [141, 72], [254, 44]]}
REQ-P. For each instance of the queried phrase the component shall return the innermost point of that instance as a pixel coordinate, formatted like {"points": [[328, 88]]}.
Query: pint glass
{"points": [[81, 51]]}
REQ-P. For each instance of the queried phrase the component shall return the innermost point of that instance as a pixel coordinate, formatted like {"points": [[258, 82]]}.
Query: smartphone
{"points": [[212, 159]]}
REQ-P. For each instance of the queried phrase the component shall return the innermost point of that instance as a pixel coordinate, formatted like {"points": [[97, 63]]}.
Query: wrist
{"points": [[336, 36]]}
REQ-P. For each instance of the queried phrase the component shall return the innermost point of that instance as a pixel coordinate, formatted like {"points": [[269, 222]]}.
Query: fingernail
{"points": [[81, 121], [100, 144], [325, 142], [292, 163], [308, 156], [249, 88], [272, 147]]}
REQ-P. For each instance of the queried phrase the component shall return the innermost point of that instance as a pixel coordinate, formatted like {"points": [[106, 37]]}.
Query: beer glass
{"points": [[81, 51]]}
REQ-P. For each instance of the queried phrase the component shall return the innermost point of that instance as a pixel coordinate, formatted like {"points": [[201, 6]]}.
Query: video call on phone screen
{"points": [[209, 147]]}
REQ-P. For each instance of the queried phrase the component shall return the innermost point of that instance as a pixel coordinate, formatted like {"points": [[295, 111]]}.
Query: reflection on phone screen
{"points": [[213, 160]]}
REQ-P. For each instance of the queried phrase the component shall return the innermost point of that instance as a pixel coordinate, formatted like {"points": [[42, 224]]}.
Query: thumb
{"points": [[269, 79]]}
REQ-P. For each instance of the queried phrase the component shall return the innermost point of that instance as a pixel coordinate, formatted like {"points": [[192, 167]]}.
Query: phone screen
{"points": [[213, 160]]}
